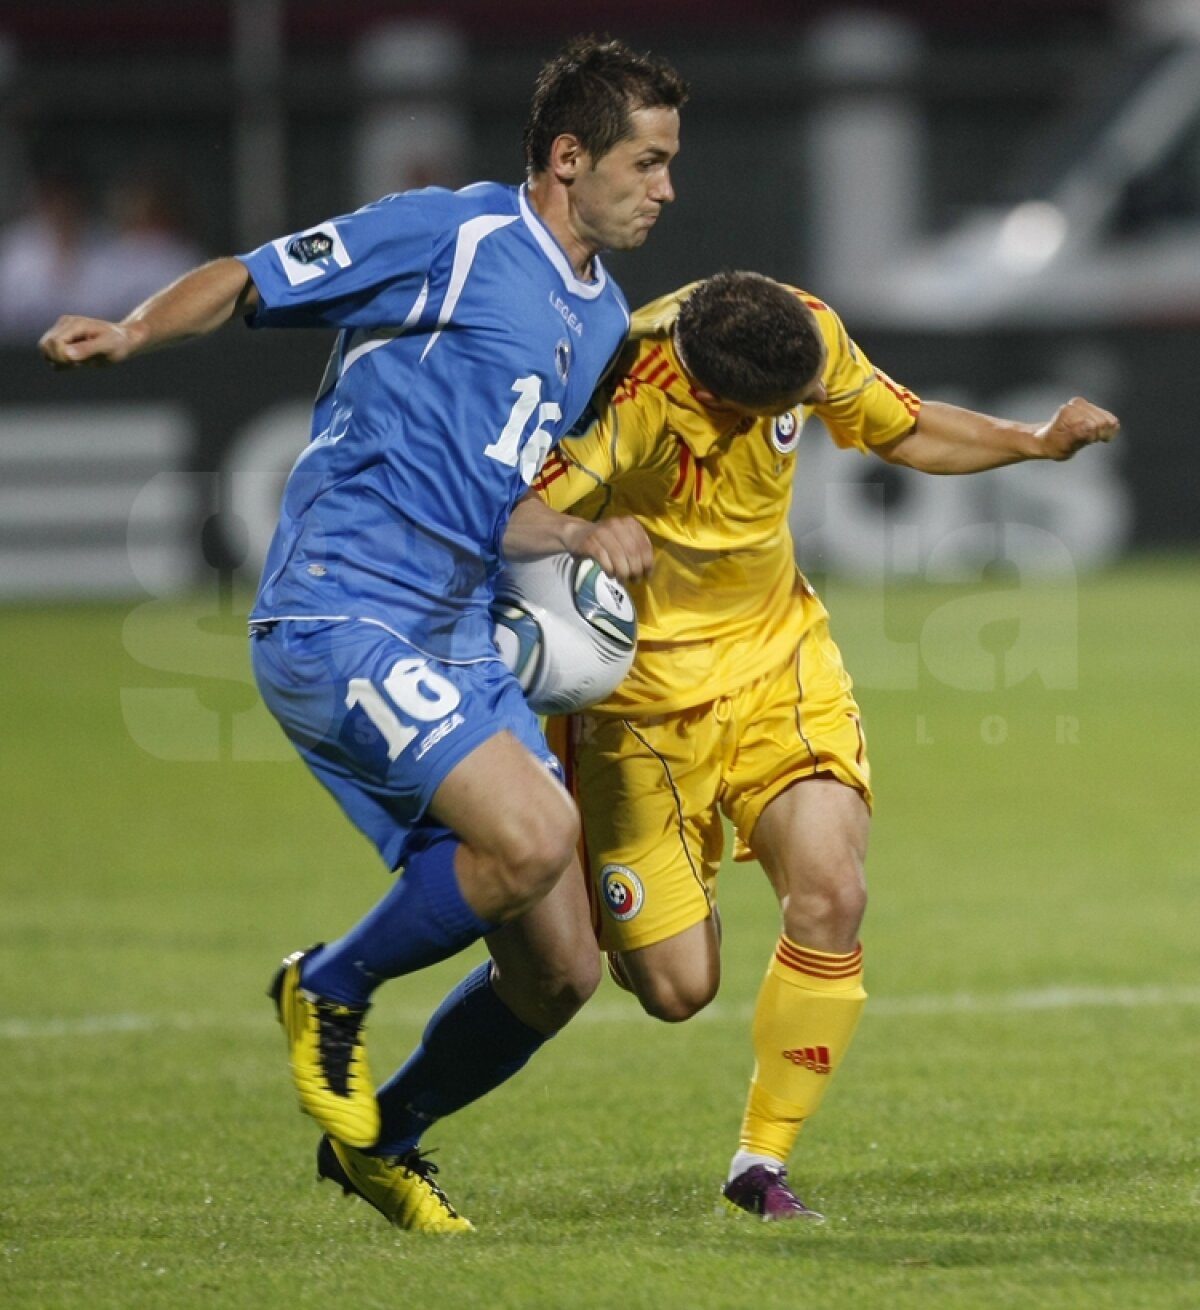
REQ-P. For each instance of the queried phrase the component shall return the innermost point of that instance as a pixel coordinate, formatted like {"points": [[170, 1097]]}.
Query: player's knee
{"points": [[564, 992], [828, 913], [546, 990], [677, 998], [848, 904], [531, 854]]}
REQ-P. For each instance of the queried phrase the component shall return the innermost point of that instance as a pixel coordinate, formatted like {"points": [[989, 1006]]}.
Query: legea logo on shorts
{"points": [[622, 891]]}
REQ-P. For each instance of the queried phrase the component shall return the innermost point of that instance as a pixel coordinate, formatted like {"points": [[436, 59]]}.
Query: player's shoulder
{"points": [[827, 317], [637, 405], [483, 198], [828, 321], [815, 303], [438, 208], [654, 321]]}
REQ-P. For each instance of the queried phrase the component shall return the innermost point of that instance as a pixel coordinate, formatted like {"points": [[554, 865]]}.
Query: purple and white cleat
{"points": [[764, 1192]]}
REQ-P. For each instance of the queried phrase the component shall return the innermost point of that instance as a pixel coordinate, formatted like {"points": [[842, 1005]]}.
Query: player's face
{"points": [[617, 198]]}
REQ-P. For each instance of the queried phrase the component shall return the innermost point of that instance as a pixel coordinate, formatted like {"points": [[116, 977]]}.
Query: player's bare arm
{"points": [[948, 439], [197, 303], [619, 545]]}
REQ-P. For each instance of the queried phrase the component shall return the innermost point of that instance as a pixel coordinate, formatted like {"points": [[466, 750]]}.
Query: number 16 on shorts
{"points": [[416, 695]]}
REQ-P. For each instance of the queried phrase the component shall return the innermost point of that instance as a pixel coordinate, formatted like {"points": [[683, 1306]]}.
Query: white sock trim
{"points": [[744, 1160]]}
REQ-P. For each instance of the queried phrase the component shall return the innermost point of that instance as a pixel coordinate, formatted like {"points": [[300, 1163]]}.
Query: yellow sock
{"points": [[807, 1010]]}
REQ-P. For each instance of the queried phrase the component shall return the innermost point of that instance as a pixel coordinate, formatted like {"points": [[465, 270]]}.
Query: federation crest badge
{"points": [[622, 891], [305, 256], [562, 359], [309, 247], [785, 433]]}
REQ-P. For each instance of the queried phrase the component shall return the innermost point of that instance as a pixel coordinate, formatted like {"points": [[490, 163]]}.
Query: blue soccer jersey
{"points": [[467, 347]]}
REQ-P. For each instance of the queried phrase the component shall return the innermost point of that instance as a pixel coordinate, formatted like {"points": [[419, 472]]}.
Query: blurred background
{"points": [[1002, 201]]}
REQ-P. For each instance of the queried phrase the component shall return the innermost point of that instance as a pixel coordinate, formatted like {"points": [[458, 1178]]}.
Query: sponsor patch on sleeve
{"points": [[311, 247], [311, 254]]}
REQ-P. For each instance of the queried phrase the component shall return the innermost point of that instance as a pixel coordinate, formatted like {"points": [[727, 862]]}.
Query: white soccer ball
{"points": [[566, 629]]}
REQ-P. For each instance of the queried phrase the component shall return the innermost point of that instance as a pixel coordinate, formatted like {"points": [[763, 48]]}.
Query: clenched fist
{"points": [[1076, 424], [76, 340]]}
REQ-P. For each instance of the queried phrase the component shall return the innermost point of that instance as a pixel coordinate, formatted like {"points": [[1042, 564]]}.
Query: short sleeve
{"points": [[865, 407], [360, 270]]}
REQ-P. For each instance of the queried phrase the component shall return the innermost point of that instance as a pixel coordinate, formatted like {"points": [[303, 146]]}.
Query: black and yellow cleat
{"points": [[327, 1057], [401, 1187]]}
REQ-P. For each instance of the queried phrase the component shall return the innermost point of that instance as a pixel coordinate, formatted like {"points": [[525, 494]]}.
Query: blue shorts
{"points": [[381, 724]]}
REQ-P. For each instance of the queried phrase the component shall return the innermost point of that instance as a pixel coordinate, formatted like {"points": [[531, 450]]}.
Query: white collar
{"points": [[554, 253]]}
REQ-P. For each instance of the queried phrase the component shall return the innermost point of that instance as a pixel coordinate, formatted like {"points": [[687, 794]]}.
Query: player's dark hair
{"points": [[590, 89], [748, 339]]}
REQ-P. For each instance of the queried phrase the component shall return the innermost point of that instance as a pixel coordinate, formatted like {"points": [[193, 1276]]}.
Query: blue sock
{"points": [[422, 919], [472, 1044]]}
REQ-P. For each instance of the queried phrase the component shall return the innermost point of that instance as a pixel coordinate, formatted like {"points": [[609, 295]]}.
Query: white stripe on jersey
{"points": [[469, 237], [365, 342]]}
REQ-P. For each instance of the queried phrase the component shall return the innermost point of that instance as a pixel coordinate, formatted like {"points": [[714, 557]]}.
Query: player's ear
{"points": [[566, 157]]}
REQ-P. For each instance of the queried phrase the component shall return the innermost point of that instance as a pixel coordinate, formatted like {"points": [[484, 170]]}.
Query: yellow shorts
{"points": [[652, 790]]}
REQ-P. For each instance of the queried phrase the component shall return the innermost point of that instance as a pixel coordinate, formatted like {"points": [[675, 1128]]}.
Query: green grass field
{"points": [[1017, 1125]]}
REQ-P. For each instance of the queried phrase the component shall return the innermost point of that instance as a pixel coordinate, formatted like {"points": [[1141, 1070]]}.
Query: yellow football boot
{"points": [[327, 1057], [401, 1188]]}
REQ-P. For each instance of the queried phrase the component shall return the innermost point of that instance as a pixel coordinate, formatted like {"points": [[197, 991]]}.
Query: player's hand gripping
{"points": [[619, 545], [1076, 424], [76, 340]]}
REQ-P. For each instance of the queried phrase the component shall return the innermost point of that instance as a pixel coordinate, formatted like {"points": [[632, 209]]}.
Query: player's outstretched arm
{"points": [[947, 439], [195, 304], [619, 545]]}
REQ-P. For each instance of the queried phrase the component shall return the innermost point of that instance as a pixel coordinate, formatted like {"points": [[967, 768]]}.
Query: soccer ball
{"points": [[566, 629]]}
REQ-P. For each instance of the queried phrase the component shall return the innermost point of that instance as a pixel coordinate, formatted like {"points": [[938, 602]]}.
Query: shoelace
{"points": [[338, 1028], [422, 1167]]}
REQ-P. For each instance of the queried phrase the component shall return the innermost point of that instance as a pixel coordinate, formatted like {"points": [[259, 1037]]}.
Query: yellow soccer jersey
{"points": [[725, 602]]}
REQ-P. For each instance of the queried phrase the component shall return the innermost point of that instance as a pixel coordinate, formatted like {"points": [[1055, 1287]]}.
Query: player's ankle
{"points": [[743, 1160]]}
